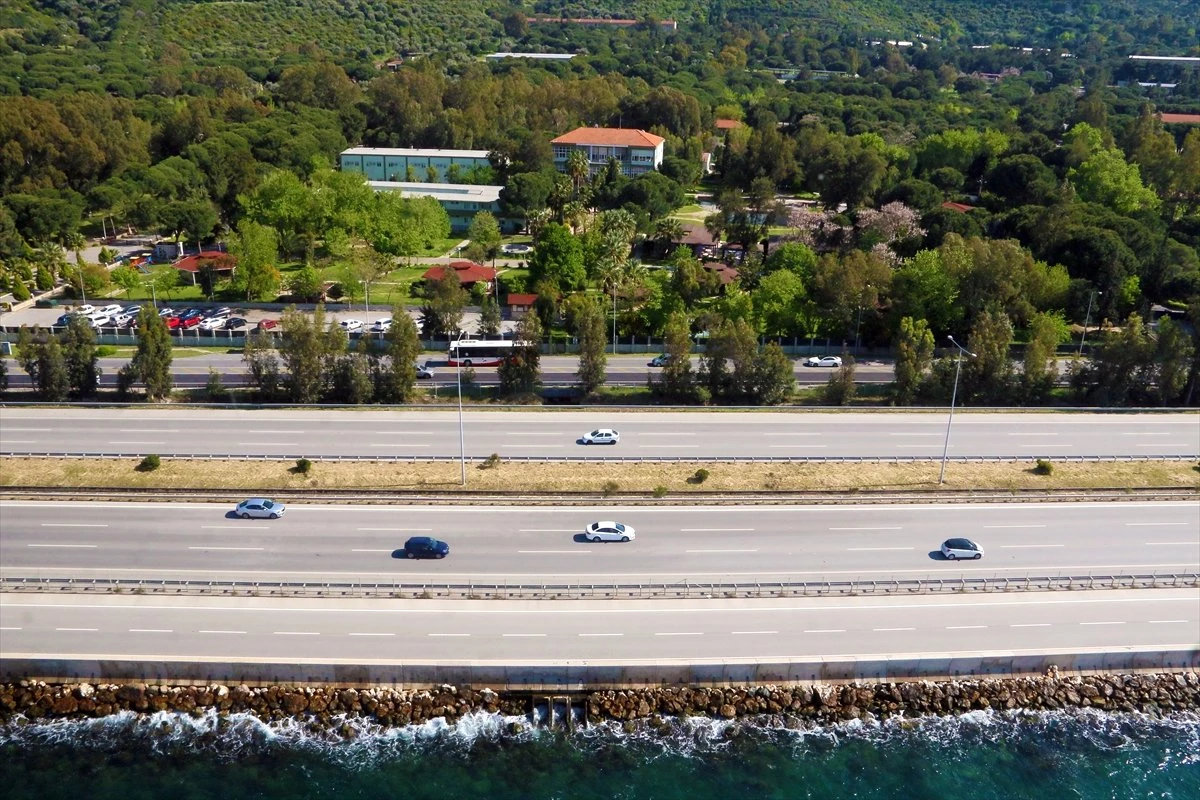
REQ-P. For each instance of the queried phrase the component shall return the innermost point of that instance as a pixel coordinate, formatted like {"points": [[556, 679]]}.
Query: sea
{"points": [[975, 756]]}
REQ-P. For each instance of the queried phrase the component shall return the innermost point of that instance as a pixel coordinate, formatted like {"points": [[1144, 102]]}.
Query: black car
{"points": [[425, 547], [191, 313], [235, 323]]}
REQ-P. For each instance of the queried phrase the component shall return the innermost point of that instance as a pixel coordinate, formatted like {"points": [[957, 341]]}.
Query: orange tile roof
{"points": [[621, 137], [728, 124], [961, 208], [1180, 119], [468, 272], [220, 260], [521, 299]]}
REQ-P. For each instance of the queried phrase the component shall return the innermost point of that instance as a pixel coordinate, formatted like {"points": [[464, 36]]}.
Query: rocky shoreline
{"points": [[790, 706]]}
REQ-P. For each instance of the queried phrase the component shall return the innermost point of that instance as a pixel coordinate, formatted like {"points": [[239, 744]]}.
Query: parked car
{"points": [[382, 325], [111, 310], [601, 436], [260, 508], [823, 361], [608, 531], [268, 324], [172, 322], [233, 323], [212, 323], [186, 323], [99, 320], [166, 311], [191, 313], [425, 547], [64, 320], [351, 324], [659, 361], [132, 310], [954, 549], [223, 311], [86, 309], [424, 371], [124, 320]]}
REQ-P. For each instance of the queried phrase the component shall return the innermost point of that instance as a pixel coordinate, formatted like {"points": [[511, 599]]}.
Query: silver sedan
{"points": [[608, 531]]}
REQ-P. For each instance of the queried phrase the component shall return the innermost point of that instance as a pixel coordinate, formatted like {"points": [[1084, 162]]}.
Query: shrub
{"points": [[660, 491], [491, 462], [303, 466], [701, 476], [610, 488], [149, 463], [1043, 467]]}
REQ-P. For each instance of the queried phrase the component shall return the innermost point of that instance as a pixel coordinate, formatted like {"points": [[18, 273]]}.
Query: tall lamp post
{"points": [[953, 396], [462, 450], [1086, 319]]}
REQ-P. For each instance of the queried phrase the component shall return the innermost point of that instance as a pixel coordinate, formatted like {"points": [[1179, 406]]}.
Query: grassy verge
{"points": [[595, 476]]}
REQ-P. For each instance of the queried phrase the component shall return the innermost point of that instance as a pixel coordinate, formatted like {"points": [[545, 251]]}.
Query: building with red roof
{"points": [[221, 262], [1180, 119], [728, 124], [636, 151], [469, 273]]}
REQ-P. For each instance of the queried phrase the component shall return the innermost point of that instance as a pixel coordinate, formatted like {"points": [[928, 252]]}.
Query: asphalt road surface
{"points": [[124, 627], [376, 432], [317, 543]]}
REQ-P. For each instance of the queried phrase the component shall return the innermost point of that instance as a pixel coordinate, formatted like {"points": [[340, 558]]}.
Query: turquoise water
{"points": [[976, 756]]}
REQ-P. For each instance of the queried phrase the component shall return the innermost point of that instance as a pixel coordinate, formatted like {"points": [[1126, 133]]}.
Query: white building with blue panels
{"points": [[413, 165]]}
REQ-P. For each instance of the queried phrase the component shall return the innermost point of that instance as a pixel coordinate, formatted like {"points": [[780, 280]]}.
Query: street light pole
{"points": [[953, 397], [614, 318], [462, 450], [1086, 319]]}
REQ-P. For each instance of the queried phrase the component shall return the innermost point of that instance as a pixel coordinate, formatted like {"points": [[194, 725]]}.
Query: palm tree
{"points": [[668, 231], [577, 168]]}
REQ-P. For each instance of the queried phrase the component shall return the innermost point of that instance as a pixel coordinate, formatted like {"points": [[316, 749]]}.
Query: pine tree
{"points": [[53, 380], [678, 381], [521, 373], [151, 363], [398, 378], [914, 355], [78, 343], [489, 317], [593, 358]]}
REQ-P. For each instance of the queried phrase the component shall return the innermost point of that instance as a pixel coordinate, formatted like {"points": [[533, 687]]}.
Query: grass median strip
{"points": [[660, 478]]}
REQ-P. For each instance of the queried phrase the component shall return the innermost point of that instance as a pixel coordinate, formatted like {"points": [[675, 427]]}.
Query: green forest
{"points": [[901, 172]]}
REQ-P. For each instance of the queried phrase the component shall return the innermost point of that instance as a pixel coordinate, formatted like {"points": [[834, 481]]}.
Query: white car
{"points": [[823, 361], [85, 310], [124, 320], [260, 508], [601, 436], [166, 311], [608, 531], [351, 324], [954, 549], [111, 310], [98, 320], [382, 325], [212, 323], [424, 371]]}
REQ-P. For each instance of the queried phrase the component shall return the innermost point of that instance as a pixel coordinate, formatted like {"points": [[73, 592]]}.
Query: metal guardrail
{"points": [[600, 591], [1025, 457]]}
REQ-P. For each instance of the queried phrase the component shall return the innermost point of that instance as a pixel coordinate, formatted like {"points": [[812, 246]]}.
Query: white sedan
{"points": [[351, 324], [601, 436], [608, 531], [382, 325], [823, 361], [260, 508], [212, 323]]}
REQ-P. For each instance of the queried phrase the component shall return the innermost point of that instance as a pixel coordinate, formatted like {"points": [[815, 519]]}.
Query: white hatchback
{"points": [[382, 325], [601, 436], [351, 324]]}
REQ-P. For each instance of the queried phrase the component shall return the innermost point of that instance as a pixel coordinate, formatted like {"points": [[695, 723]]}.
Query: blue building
{"points": [[411, 165]]}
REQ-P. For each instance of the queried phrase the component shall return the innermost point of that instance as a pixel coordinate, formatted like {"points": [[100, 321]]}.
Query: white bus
{"points": [[478, 352]]}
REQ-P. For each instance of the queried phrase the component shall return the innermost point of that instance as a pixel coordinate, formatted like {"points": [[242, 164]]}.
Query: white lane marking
{"points": [[1153, 524], [85, 630], [7, 628], [753, 633], [581, 635], [798, 445], [268, 444], [720, 551], [897, 528], [1028, 546], [398, 444], [1004, 527], [547, 530], [151, 630], [222, 631], [448, 635], [396, 530], [235, 527], [148, 430], [371, 634], [681, 633], [368, 550], [403, 433], [28, 430], [73, 525], [134, 442], [872, 549], [75, 546], [914, 434], [523, 635], [275, 433], [1031, 625], [826, 630], [295, 633], [552, 552], [964, 627], [917, 446], [1139, 434], [225, 548], [6, 440], [715, 530], [1164, 621], [884, 630], [1102, 623]]}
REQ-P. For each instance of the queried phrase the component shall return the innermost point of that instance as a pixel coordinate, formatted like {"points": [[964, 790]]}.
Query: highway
{"points": [[127, 628], [377, 432], [318, 543]]}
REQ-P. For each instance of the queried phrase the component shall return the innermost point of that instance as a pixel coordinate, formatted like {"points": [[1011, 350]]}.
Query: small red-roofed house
{"points": [[961, 208], [222, 263], [519, 304], [469, 273], [1180, 119]]}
